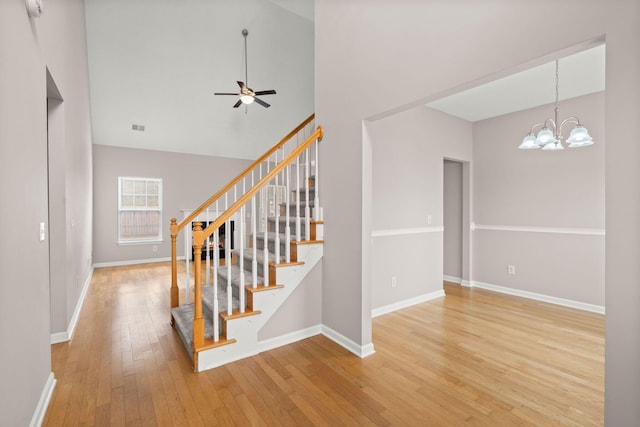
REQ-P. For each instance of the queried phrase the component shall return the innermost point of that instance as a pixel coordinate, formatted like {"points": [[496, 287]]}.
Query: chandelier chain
{"points": [[557, 83]]}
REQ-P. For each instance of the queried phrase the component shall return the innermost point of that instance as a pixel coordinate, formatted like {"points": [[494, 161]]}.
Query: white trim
{"points": [[133, 262], [453, 279], [405, 231], [540, 297], [43, 402], [466, 283], [554, 230], [290, 338], [59, 337], [406, 303], [338, 338]]}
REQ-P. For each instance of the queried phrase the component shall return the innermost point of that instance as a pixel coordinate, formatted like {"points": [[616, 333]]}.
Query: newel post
{"points": [[198, 320], [175, 301]]}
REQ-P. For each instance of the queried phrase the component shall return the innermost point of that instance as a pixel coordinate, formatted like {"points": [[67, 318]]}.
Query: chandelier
{"points": [[550, 134]]}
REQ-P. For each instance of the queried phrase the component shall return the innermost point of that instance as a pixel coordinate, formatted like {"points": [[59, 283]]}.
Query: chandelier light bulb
{"points": [[529, 143], [579, 137]]}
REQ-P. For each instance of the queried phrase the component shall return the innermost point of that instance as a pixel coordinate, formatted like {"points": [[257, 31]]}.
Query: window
{"points": [[139, 210]]}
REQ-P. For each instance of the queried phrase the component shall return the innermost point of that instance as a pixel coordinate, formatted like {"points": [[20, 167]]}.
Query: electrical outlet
{"points": [[155, 248], [394, 282], [511, 269], [429, 219]]}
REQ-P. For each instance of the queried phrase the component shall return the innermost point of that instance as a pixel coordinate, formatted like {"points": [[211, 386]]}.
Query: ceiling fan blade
{"points": [[241, 84], [237, 104], [265, 92], [261, 102], [226, 93]]}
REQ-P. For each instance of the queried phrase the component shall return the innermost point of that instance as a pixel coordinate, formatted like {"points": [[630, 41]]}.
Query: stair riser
{"points": [[272, 246], [303, 196], [282, 225], [292, 211]]}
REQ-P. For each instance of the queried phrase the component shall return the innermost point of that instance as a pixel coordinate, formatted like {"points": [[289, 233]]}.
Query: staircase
{"points": [[277, 244]]}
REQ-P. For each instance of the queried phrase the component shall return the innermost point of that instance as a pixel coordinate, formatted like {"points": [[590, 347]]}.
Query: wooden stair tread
{"points": [[209, 343], [285, 264], [306, 242], [235, 314], [262, 288]]}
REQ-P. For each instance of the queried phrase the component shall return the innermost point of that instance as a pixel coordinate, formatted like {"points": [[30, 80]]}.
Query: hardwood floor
{"points": [[470, 358]]}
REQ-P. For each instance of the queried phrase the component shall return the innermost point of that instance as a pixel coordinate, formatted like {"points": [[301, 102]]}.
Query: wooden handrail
{"points": [[213, 226], [237, 179]]}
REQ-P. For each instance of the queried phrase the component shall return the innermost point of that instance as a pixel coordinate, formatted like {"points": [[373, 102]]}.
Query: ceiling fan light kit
{"points": [[247, 95], [34, 8], [549, 136]]}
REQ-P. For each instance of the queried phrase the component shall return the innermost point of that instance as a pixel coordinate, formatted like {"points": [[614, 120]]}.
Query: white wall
{"points": [[187, 181], [408, 171], [28, 47], [375, 57], [552, 192]]}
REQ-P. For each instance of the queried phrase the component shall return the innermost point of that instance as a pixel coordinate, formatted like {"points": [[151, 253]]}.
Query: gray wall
{"points": [[408, 152], [28, 47], [452, 220], [421, 51], [553, 192], [187, 181]]}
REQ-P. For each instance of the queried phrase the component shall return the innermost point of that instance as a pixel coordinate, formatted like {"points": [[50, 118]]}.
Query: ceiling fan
{"points": [[246, 94]]}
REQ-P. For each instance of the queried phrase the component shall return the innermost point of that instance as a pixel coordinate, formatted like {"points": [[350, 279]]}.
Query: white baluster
{"points": [[216, 305], [241, 261], [254, 233], [287, 226], [298, 225], [277, 216], [307, 212], [188, 243], [227, 258], [265, 251], [227, 261], [207, 262], [316, 179]]}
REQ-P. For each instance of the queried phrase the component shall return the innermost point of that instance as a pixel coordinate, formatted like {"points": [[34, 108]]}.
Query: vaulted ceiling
{"points": [[157, 63]]}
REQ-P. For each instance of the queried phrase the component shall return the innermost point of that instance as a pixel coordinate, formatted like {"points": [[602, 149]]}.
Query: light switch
{"points": [[42, 232]]}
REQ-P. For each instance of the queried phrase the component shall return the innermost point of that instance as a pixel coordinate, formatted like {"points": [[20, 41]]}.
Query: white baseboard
{"points": [[133, 262], [540, 297], [290, 338], [466, 283], [406, 303], [59, 337], [453, 279], [43, 402], [361, 351]]}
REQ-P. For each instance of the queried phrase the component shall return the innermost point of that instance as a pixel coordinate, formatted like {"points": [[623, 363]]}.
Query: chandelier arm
{"points": [[550, 124], [534, 126], [571, 119]]}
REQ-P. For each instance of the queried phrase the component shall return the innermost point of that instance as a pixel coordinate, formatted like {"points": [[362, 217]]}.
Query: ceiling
{"points": [[579, 74], [157, 63]]}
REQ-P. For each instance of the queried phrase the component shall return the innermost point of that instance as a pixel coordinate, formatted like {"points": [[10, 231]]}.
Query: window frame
{"points": [[139, 240]]}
